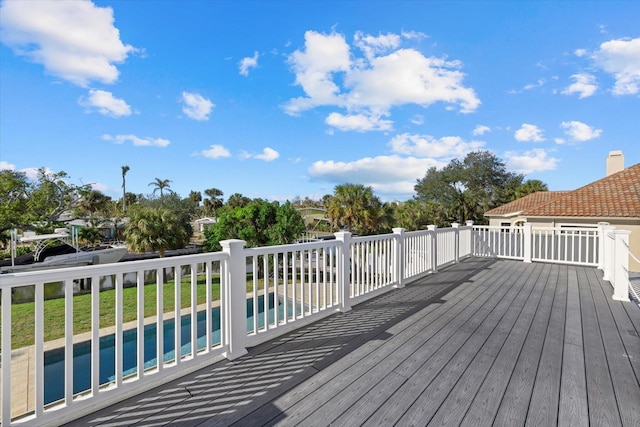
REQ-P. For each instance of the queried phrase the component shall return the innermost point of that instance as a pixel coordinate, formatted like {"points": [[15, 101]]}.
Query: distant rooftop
{"points": [[615, 196], [527, 202]]}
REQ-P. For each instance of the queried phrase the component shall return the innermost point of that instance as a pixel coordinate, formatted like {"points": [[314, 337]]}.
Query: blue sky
{"points": [[284, 99]]}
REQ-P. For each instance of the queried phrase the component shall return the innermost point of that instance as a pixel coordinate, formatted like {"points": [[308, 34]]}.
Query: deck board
{"points": [[483, 342], [573, 388]]}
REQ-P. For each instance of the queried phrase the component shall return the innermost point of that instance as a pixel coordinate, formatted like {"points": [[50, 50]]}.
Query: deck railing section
{"points": [[500, 242], [191, 310], [172, 315], [614, 261], [565, 245], [603, 246], [149, 335]]}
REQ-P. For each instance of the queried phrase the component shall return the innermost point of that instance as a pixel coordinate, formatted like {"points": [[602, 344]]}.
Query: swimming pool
{"points": [[54, 370]]}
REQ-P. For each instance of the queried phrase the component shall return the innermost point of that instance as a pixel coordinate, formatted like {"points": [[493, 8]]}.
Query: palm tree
{"points": [[125, 169], [214, 201], [356, 207], [155, 229], [195, 197], [160, 184]]}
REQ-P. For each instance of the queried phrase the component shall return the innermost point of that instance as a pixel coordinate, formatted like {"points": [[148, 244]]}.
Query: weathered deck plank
{"points": [[573, 387], [481, 343]]}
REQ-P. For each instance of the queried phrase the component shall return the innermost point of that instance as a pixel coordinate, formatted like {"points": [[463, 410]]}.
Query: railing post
{"points": [[528, 242], [621, 265], [235, 298], [608, 272], [434, 248], [456, 245], [398, 258], [344, 258], [469, 224], [601, 242]]}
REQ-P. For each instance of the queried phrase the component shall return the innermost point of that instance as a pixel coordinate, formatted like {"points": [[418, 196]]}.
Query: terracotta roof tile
{"points": [[526, 202], [615, 196]]}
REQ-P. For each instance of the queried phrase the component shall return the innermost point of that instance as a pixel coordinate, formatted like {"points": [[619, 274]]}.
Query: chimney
{"points": [[615, 162]]}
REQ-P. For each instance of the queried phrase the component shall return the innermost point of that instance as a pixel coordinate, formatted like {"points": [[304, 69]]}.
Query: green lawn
{"points": [[22, 315]]}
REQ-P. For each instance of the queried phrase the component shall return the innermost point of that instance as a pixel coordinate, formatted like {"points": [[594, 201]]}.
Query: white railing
{"points": [[614, 245], [500, 242], [565, 245], [171, 316], [602, 246]]}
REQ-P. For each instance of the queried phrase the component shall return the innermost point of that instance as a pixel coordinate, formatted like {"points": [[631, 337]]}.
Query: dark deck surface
{"points": [[484, 342]]}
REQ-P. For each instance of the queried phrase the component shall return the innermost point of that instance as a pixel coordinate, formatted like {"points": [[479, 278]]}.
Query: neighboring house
{"points": [[204, 222], [614, 199]]}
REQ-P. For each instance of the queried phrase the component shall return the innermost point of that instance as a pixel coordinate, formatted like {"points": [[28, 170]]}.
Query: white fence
{"points": [[167, 317], [602, 246]]}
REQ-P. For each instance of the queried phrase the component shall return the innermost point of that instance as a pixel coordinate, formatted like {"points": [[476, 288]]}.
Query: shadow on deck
{"points": [[484, 342]]}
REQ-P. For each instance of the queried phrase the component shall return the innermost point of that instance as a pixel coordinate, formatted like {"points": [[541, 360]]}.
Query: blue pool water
{"points": [[54, 359]]}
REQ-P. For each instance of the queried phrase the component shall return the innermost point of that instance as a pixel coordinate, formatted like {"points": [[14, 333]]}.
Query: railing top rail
{"points": [[374, 238], [292, 247], [60, 274], [567, 229], [445, 230], [416, 233]]}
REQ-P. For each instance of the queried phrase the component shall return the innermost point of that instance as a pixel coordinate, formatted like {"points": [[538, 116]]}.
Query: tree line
{"points": [[462, 190]]}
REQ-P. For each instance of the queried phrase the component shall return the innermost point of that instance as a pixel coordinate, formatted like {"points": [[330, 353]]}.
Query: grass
{"points": [[22, 315]]}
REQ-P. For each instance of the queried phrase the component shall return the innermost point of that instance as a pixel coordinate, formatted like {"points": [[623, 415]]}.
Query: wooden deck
{"points": [[484, 342]]}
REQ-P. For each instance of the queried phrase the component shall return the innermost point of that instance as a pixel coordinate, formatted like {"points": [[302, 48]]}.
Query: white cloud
{"points": [[6, 166], [584, 85], [418, 119], [385, 174], [528, 132], [530, 161], [481, 130], [268, 155], [74, 40], [358, 122], [428, 146], [621, 58], [330, 74], [216, 152], [247, 63], [529, 86], [196, 106], [33, 173], [104, 188], [376, 45], [579, 131], [135, 140], [105, 103]]}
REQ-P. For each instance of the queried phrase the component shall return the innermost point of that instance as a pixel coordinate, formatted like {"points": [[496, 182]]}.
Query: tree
{"points": [[155, 229], [125, 169], [259, 223], [214, 201], [530, 186], [468, 188], [14, 193], [160, 184], [289, 225], [356, 207], [237, 200], [50, 197], [195, 197]]}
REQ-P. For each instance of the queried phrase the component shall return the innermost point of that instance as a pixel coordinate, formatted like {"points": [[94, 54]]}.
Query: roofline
{"points": [[599, 218]]}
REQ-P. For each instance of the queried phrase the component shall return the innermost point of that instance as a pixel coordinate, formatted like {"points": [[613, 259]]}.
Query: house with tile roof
{"points": [[614, 199]]}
